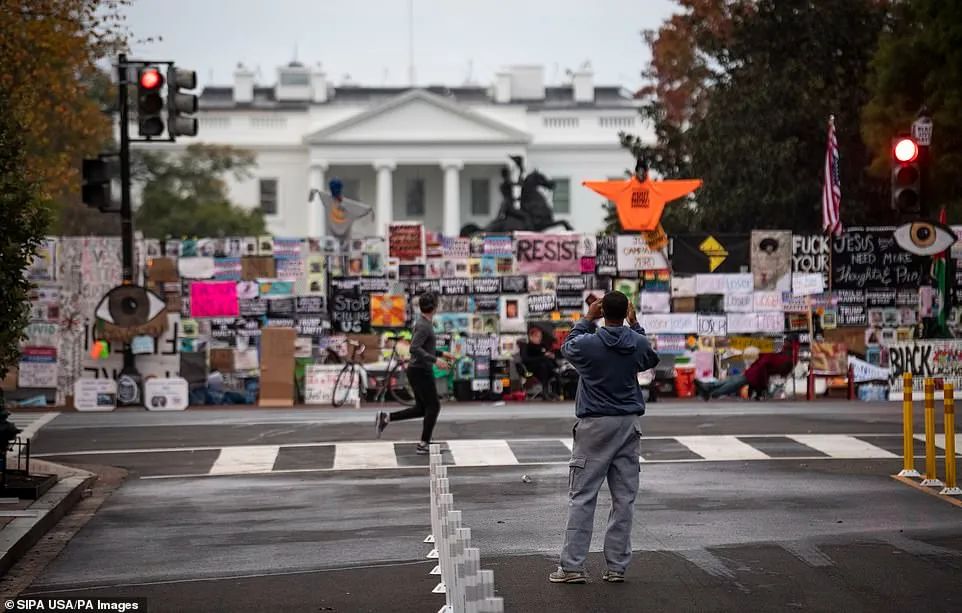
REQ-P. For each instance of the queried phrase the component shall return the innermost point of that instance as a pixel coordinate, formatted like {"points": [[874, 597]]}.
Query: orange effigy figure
{"points": [[641, 201]]}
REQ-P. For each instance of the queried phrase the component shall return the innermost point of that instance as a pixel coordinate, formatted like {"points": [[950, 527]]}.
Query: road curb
{"points": [[18, 536]]}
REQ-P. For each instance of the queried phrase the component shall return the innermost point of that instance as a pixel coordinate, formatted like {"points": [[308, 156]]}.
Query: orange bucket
{"points": [[685, 381]]}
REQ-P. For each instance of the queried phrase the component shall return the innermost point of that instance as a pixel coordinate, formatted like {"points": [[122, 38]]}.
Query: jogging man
{"points": [[420, 373], [606, 434]]}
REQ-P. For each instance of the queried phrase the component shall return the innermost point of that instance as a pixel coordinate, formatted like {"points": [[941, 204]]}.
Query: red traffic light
{"points": [[906, 150], [150, 78]]}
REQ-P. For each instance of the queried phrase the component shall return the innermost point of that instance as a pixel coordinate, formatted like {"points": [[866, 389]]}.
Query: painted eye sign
{"points": [[924, 237], [127, 311]]}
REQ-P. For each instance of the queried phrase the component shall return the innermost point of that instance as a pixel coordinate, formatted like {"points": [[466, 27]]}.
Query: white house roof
{"points": [[402, 119], [556, 97]]}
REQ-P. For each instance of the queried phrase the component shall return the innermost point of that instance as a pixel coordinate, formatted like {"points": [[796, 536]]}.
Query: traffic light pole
{"points": [[126, 214]]}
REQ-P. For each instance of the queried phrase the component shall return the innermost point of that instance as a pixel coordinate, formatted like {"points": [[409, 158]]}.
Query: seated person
{"points": [[538, 357], [756, 376]]}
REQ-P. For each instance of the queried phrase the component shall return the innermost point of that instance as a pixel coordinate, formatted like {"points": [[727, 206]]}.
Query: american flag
{"points": [[832, 187]]}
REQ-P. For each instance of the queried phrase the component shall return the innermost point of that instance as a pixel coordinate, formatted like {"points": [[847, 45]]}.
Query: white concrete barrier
{"points": [[466, 588]]}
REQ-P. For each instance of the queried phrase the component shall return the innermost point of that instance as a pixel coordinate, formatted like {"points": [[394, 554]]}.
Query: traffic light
{"points": [[150, 103], [181, 105], [96, 184], [906, 176]]}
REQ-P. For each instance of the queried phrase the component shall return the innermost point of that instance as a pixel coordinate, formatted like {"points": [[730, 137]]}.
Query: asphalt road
{"points": [[744, 506]]}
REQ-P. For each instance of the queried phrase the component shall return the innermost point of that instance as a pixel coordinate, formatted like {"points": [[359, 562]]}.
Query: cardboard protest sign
{"points": [[38, 367], [350, 307], [388, 310], [319, 381], [635, 254], [277, 367], [196, 267], [227, 269], [536, 252], [810, 254], [771, 255], [829, 358], [872, 259], [513, 309], [255, 267], [213, 299], [606, 260], [655, 302], [705, 253], [669, 323], [406, 241], [539, 304], [806, 284]]}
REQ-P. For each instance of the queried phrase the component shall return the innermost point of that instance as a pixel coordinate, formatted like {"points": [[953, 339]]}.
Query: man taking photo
{"points": [[606, 434]]}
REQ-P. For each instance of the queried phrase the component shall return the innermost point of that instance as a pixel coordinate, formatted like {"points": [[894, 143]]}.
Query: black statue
{"points": [[533, 214]]}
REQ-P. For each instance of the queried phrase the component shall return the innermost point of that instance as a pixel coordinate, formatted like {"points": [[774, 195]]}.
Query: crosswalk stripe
{"points": [[244, 460], [940, 441], [349, 456], [31, 423], [568, 442], [721, 448], [842, 446], [482, 453]]}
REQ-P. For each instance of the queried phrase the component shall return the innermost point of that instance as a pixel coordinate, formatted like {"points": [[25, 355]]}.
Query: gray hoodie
{"points": [[608, 361]]}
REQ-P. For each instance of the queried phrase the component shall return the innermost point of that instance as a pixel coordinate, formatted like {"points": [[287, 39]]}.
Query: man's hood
{"points": [[621, 339]]}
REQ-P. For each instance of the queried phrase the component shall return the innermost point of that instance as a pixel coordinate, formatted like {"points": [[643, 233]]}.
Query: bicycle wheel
{"points": [[399, 387], [345, 382]]}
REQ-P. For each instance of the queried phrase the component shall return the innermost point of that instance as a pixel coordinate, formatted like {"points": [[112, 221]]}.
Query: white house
{"points": [[431, 154]]}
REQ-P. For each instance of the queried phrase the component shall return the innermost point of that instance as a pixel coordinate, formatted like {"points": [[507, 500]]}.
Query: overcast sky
{"points": [[368, 39]]}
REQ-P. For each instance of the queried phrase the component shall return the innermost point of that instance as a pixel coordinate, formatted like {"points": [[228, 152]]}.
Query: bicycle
{"points": [[354, 376]]}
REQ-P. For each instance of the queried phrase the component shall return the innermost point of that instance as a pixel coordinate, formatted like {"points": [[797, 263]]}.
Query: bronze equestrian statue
{"points": [[530, 212]]}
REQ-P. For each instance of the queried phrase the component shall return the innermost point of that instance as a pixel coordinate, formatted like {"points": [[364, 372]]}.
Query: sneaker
{"points": [[380, 422], [613, 576], [422, 449], [568, 576]]}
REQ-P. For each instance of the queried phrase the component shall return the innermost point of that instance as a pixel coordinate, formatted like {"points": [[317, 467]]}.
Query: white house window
{"points": [[414, 201], [268, 196], [269, 122], [560, 122], [480, 197], [215, 123], [561, 196], [616, 122], [294, 79]]}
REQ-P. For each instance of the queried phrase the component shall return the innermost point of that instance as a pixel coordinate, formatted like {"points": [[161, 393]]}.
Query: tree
{"points": [[185, 195], [48, 59], [919, 62], [755, 130], [22, 226]]}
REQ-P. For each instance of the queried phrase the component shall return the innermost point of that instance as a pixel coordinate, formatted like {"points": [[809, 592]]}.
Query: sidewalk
{"points": [[26, 521]]}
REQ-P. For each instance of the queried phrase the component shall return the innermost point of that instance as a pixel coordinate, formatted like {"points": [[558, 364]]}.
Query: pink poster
{"points": [[213, 299], [537, 252]]}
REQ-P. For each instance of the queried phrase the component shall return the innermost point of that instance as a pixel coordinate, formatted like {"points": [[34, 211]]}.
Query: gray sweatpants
{"points": [[604, 448]]}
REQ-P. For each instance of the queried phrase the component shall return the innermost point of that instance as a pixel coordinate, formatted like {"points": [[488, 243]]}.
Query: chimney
{"points": [[243, 85], [293, 82], [527, 82], [502, 87], [584, 85], [318, 84]]}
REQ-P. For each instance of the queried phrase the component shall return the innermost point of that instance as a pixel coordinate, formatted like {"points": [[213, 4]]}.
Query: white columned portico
{"points": [[316, 213], [384, 211], [452, 196]]}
